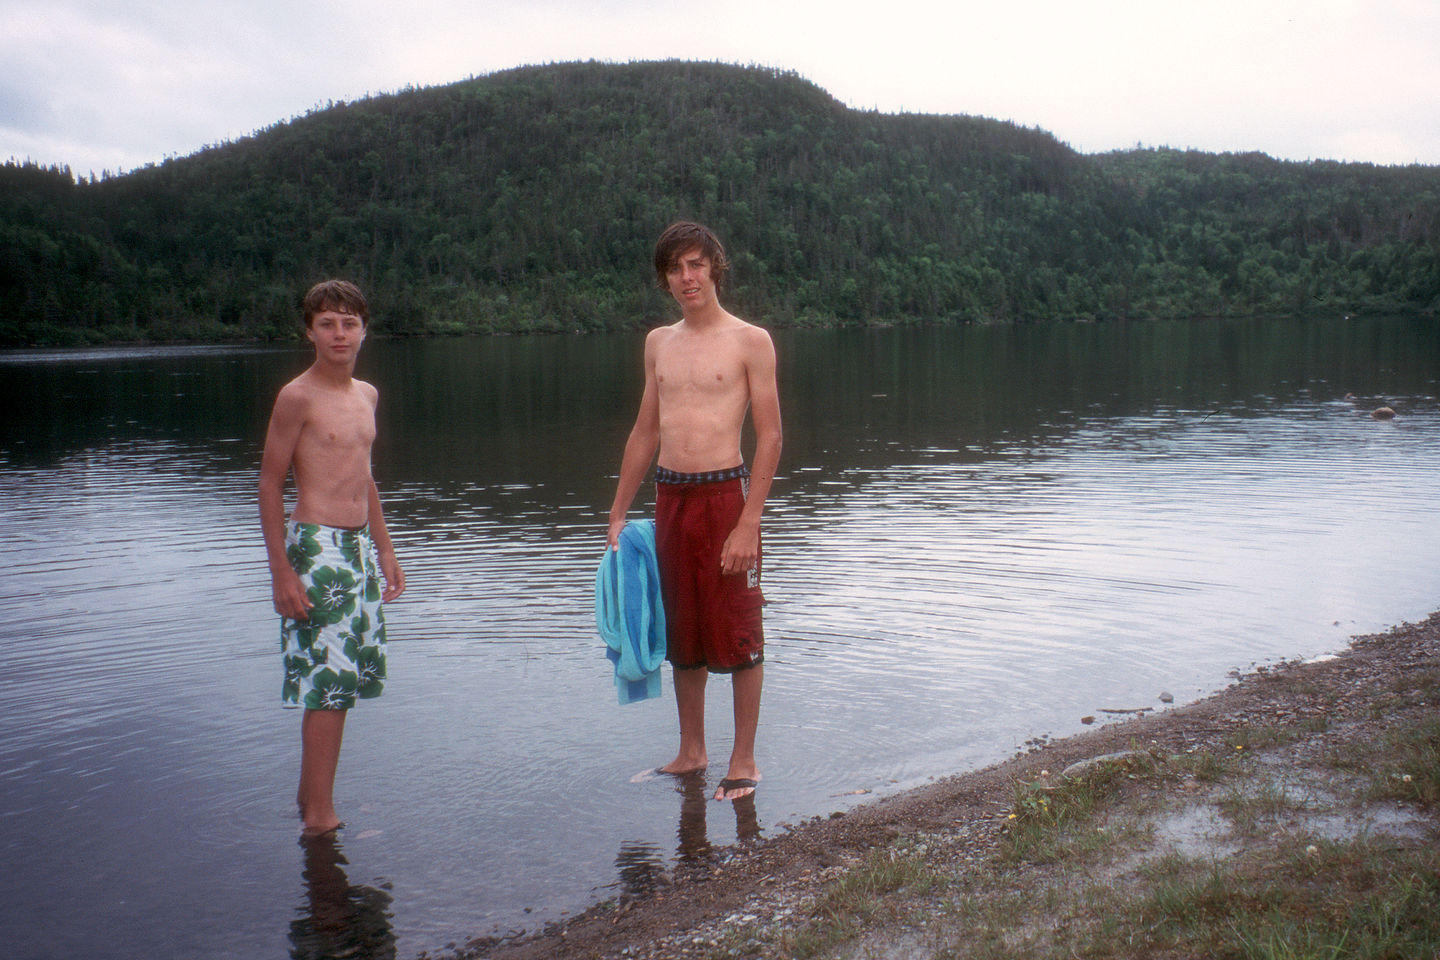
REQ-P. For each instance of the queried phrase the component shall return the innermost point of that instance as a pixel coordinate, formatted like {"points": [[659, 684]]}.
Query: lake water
{"points": [[979, 536]]}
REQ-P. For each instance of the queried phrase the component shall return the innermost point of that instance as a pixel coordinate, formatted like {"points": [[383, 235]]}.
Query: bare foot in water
{"points": [[675, 768], [685, 763], [323, 821]]}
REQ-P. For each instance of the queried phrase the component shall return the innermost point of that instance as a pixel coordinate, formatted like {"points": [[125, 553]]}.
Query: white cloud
{"points": [[102, 85]]}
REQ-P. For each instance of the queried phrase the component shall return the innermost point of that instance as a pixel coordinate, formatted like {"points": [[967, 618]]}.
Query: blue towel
{"points": [[630, 613]]}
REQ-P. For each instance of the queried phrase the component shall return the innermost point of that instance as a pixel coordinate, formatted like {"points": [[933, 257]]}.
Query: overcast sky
{"points": [[114, 84]]}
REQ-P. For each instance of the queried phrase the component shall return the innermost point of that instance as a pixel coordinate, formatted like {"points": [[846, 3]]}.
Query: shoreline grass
{"points": [[1083, 867]]}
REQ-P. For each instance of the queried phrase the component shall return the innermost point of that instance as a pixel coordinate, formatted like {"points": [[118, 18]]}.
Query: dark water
{"points": [[979, 536]]}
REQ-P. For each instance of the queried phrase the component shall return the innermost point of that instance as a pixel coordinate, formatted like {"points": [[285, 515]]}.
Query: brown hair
{"points": [[682, 237], [339, 295]]}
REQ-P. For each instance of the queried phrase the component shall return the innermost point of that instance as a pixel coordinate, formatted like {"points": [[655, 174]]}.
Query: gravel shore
{"points": [[1287, 724]]}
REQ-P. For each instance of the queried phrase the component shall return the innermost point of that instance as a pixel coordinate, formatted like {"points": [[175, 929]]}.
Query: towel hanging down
{"points": [[629, 612]]}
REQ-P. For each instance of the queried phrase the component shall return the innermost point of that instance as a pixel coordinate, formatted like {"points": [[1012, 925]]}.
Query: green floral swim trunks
{"points": [[338, 654]]}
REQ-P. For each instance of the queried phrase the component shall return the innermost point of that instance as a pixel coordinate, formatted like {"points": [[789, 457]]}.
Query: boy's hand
{"points": [[741, 549], [617, 526], [394, 577], [289, 595]]}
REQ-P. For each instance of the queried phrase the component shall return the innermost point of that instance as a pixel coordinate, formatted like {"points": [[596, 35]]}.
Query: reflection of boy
{"points": [[327, 561], [340, 919], [701, 377]]}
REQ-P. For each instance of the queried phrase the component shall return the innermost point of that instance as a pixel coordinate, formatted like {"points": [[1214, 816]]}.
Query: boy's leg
{"points": [[746, 692], [320, 734], [690, 704]]}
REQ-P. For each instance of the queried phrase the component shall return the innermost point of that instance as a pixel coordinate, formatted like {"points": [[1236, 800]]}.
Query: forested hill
{"points": [[529, 200]]}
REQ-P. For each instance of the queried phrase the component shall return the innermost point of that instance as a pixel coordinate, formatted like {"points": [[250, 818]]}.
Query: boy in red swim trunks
{"points": [[701, 377]]}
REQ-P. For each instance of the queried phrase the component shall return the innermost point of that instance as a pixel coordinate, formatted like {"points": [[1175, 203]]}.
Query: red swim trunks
{"points": [[711, 620]]}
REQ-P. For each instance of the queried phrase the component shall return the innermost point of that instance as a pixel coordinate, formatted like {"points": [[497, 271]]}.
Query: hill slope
{"points": [[529, 200]]}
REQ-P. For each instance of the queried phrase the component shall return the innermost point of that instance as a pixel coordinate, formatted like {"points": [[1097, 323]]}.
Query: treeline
{"points": [[528, 200]]}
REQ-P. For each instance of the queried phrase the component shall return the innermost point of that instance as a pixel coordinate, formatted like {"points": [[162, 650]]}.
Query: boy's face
{"points": [[337, 335], [688, 279]]}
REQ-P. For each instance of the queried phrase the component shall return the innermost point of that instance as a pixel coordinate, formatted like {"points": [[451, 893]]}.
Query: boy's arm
{"points": [[380, 534], [742, 546], [375, 521], [283, 433], [639, 448]]}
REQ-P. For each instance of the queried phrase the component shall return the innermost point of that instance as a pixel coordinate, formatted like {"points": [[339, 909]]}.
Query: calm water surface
{"points": [[978, 537]]}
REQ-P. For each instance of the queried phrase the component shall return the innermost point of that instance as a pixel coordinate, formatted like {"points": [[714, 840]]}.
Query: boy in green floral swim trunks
{"points": [[327, 563], [337, 653]]}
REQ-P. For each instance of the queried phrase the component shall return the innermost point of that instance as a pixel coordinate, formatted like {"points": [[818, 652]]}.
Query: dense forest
{"points": [[529, 200]]}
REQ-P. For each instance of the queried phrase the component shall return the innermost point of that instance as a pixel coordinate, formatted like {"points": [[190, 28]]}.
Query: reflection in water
{"points": [[694, 803], [694, 844], [338, 919], [641, 865], [641, 868], [747, 820]]}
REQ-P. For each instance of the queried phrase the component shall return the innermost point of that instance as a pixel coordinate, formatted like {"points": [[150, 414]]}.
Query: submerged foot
{"points": [[311, 831], [675, 768], [651, 773], [317, 823], [685, 763]]}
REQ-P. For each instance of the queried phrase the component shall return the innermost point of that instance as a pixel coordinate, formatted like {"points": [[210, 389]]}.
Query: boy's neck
{"points": [[338, 374], [708, 315]]}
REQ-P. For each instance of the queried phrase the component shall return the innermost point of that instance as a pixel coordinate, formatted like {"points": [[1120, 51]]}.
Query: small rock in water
{"points": [[1087, 720], [1166, 696]]}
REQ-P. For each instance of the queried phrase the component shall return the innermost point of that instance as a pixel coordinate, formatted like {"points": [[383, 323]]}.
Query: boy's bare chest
{"points": [[699, 372], [342, 426]]}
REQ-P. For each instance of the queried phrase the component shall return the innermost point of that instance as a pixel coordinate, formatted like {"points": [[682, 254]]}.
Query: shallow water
{"points": [[978, 537]]}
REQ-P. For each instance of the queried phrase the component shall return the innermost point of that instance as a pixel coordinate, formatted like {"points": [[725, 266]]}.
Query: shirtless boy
{"points": [[327, 560], [701, 376]]}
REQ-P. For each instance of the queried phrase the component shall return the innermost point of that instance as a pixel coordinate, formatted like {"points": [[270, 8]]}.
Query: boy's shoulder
{"points": [[752, 330], [744, 329], [309, 383], [298, 390], [727, 324], [754, 339], [308, 393], [732, 337]]}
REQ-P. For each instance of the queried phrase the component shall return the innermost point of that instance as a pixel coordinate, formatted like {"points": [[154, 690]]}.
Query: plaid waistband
{"points": [[666, 475]]}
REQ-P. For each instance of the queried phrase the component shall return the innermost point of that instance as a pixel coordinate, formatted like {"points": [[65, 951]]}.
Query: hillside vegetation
{"points": [[529, 200]]}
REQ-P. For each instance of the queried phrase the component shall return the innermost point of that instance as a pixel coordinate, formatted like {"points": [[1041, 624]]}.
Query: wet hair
{"points": [[683, 237], [341, 296]]}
